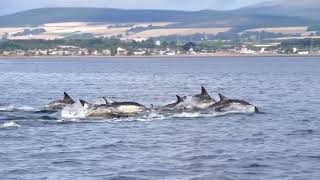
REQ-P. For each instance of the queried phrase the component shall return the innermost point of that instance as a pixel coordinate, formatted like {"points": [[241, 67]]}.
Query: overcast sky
{"points": [[10, 6]]}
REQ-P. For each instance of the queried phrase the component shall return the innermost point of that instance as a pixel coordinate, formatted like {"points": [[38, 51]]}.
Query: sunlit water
{"points": [[283, 142]]}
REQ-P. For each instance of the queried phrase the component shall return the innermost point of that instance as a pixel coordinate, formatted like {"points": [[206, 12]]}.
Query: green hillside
{"points": [[208, 18]]}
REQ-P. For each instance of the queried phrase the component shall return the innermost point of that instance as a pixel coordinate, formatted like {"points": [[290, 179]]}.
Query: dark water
{"points": [[281, 143]]}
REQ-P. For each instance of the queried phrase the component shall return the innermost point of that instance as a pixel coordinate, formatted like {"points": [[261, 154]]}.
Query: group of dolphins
{"points": [[202, 102]]}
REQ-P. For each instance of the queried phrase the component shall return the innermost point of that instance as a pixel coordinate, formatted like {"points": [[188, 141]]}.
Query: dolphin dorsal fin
{"points": [[84, 103], [67, 98], [223, 98], [108, 100], [204, 92], [179, 99]]}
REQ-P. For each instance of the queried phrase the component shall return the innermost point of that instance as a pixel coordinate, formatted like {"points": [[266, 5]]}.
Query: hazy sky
{"points": [[10, 6]]}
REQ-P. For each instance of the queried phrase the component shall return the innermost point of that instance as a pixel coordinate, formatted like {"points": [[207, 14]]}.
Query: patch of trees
{"points": [[188, 46], [258, 36], [95, 43], [138, 29], [27, 32], [315, 28], [310, 44], [80, 36], [232, 35]]}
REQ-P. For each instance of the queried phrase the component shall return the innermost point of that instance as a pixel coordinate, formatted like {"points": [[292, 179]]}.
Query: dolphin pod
{"points": [[195, 103]]}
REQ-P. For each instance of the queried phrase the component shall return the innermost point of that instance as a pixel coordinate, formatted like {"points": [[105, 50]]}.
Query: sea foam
{"points": [[12, 108], [74, 111], [10, 124]]}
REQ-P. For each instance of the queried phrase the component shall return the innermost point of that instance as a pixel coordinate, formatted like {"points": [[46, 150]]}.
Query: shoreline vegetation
{"points": [[111, 47], [114, 47], [159, 56]]}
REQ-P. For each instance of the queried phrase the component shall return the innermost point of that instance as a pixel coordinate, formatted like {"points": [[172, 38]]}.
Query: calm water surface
{"points": [[281, 143]]}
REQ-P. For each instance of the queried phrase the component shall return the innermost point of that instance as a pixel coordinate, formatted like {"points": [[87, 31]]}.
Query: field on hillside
{"points": [[61, 30], [284, 30], [10, 30], [70, 29], [178, 31]]}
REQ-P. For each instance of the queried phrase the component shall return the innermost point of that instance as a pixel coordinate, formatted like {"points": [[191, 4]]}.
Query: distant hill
{"points": [[306, 9], [251, 17], [52, 15]]}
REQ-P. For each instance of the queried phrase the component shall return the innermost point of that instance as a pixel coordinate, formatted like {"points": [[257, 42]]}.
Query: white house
{"points": [[303, 52], [121, 51], [137, 53], [139, 39], [245, 50], [106, 52]]}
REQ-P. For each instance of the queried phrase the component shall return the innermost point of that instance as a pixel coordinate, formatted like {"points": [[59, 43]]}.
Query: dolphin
{"points": [[233, 105], [203, 100], [117, 109], [60, 104], [195, 102], [178, 104], [126, 107]]}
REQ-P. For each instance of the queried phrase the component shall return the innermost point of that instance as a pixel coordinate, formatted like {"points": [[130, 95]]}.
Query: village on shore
{"points": [[188, 49], [29, 43]]}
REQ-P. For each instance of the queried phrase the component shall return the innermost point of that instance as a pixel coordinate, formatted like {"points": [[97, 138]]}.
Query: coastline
{"points": [[157, 56]]}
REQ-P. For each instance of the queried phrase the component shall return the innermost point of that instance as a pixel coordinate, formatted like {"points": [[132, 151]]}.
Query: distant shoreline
{"points": [[158, 56]]}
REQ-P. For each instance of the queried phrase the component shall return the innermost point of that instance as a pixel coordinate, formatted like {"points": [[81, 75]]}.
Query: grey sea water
{"points": [[283, 142]]}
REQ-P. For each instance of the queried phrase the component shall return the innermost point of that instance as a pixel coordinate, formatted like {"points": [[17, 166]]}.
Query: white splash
{"points": [[197, 114], [153, 116], [74, 111], [187, 115], [10, 124], [11, 108]]}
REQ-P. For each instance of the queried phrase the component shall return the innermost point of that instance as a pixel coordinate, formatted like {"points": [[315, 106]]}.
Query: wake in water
{"points": [[77, 112], [12, 108], [8, 125], [74, 111]]}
